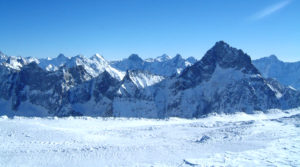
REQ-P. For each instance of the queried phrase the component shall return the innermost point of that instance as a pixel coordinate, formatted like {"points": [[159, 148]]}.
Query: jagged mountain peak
{"points": [[141, 79], [221, 43], [98, 57], [163, 57], [135, 57], [221, 56], [61, 56], [162, 65], [226, 56], [224, 80], [177, 57]]}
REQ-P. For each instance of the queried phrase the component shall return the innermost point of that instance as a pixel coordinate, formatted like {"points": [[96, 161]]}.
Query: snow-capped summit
{"points": [[94, 65], [98, 57], [16, 63], [223, 81], [162, 65], [162, 58], [53, 64]]}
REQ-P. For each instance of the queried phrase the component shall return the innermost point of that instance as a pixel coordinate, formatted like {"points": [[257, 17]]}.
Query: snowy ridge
{"points": [[286, 73], [162, 65], [223, 81], [94, 65], [142, 79]]}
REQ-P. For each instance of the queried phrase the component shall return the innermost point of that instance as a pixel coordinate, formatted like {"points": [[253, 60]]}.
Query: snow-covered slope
{"points": [[15, 63], [223, 81], [94, 65], [142, 79], [286, 73], [271, 139], [53, 64], [162, 65]]}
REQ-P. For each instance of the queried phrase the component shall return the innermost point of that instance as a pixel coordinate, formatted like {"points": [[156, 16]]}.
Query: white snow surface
{"points": [[142, 80], [271, 139]]}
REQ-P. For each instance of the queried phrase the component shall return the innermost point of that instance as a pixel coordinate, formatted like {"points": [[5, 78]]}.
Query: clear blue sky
{"points": [[117, 28]]}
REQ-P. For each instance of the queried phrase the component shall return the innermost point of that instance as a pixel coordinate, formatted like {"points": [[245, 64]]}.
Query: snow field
{"points": [[271, 139]]}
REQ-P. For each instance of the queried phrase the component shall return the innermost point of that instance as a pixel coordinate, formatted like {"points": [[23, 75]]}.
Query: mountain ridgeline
{"points": [[223, 81], [286, 73]]}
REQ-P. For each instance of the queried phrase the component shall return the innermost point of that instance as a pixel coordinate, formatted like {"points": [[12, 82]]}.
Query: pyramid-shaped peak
{"points": [[135, 57], [97, 56], [221, 44], [178, 56], [61, 56], [225, 55], [163, 57]]}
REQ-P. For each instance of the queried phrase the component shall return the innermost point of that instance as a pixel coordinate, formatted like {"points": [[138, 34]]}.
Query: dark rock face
{"points": [[223, 81], [135, 58], [223, 55], [240, 89]]}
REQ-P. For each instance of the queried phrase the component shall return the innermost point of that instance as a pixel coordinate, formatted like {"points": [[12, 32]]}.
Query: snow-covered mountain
{"points": [[286, 73], [223, 81], [94, 65], [162, 65], [15, 62]]}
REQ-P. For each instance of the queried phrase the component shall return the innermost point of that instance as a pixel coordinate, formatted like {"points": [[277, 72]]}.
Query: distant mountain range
{"points": [[223, 81], [287, 74], [163, 65]]}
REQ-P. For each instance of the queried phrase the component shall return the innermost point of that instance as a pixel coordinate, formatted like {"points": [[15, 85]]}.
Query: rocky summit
{"points": [[223, 81]]}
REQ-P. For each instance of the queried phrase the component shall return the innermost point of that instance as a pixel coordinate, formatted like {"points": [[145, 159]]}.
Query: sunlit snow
{"points": [[220, 140]]}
